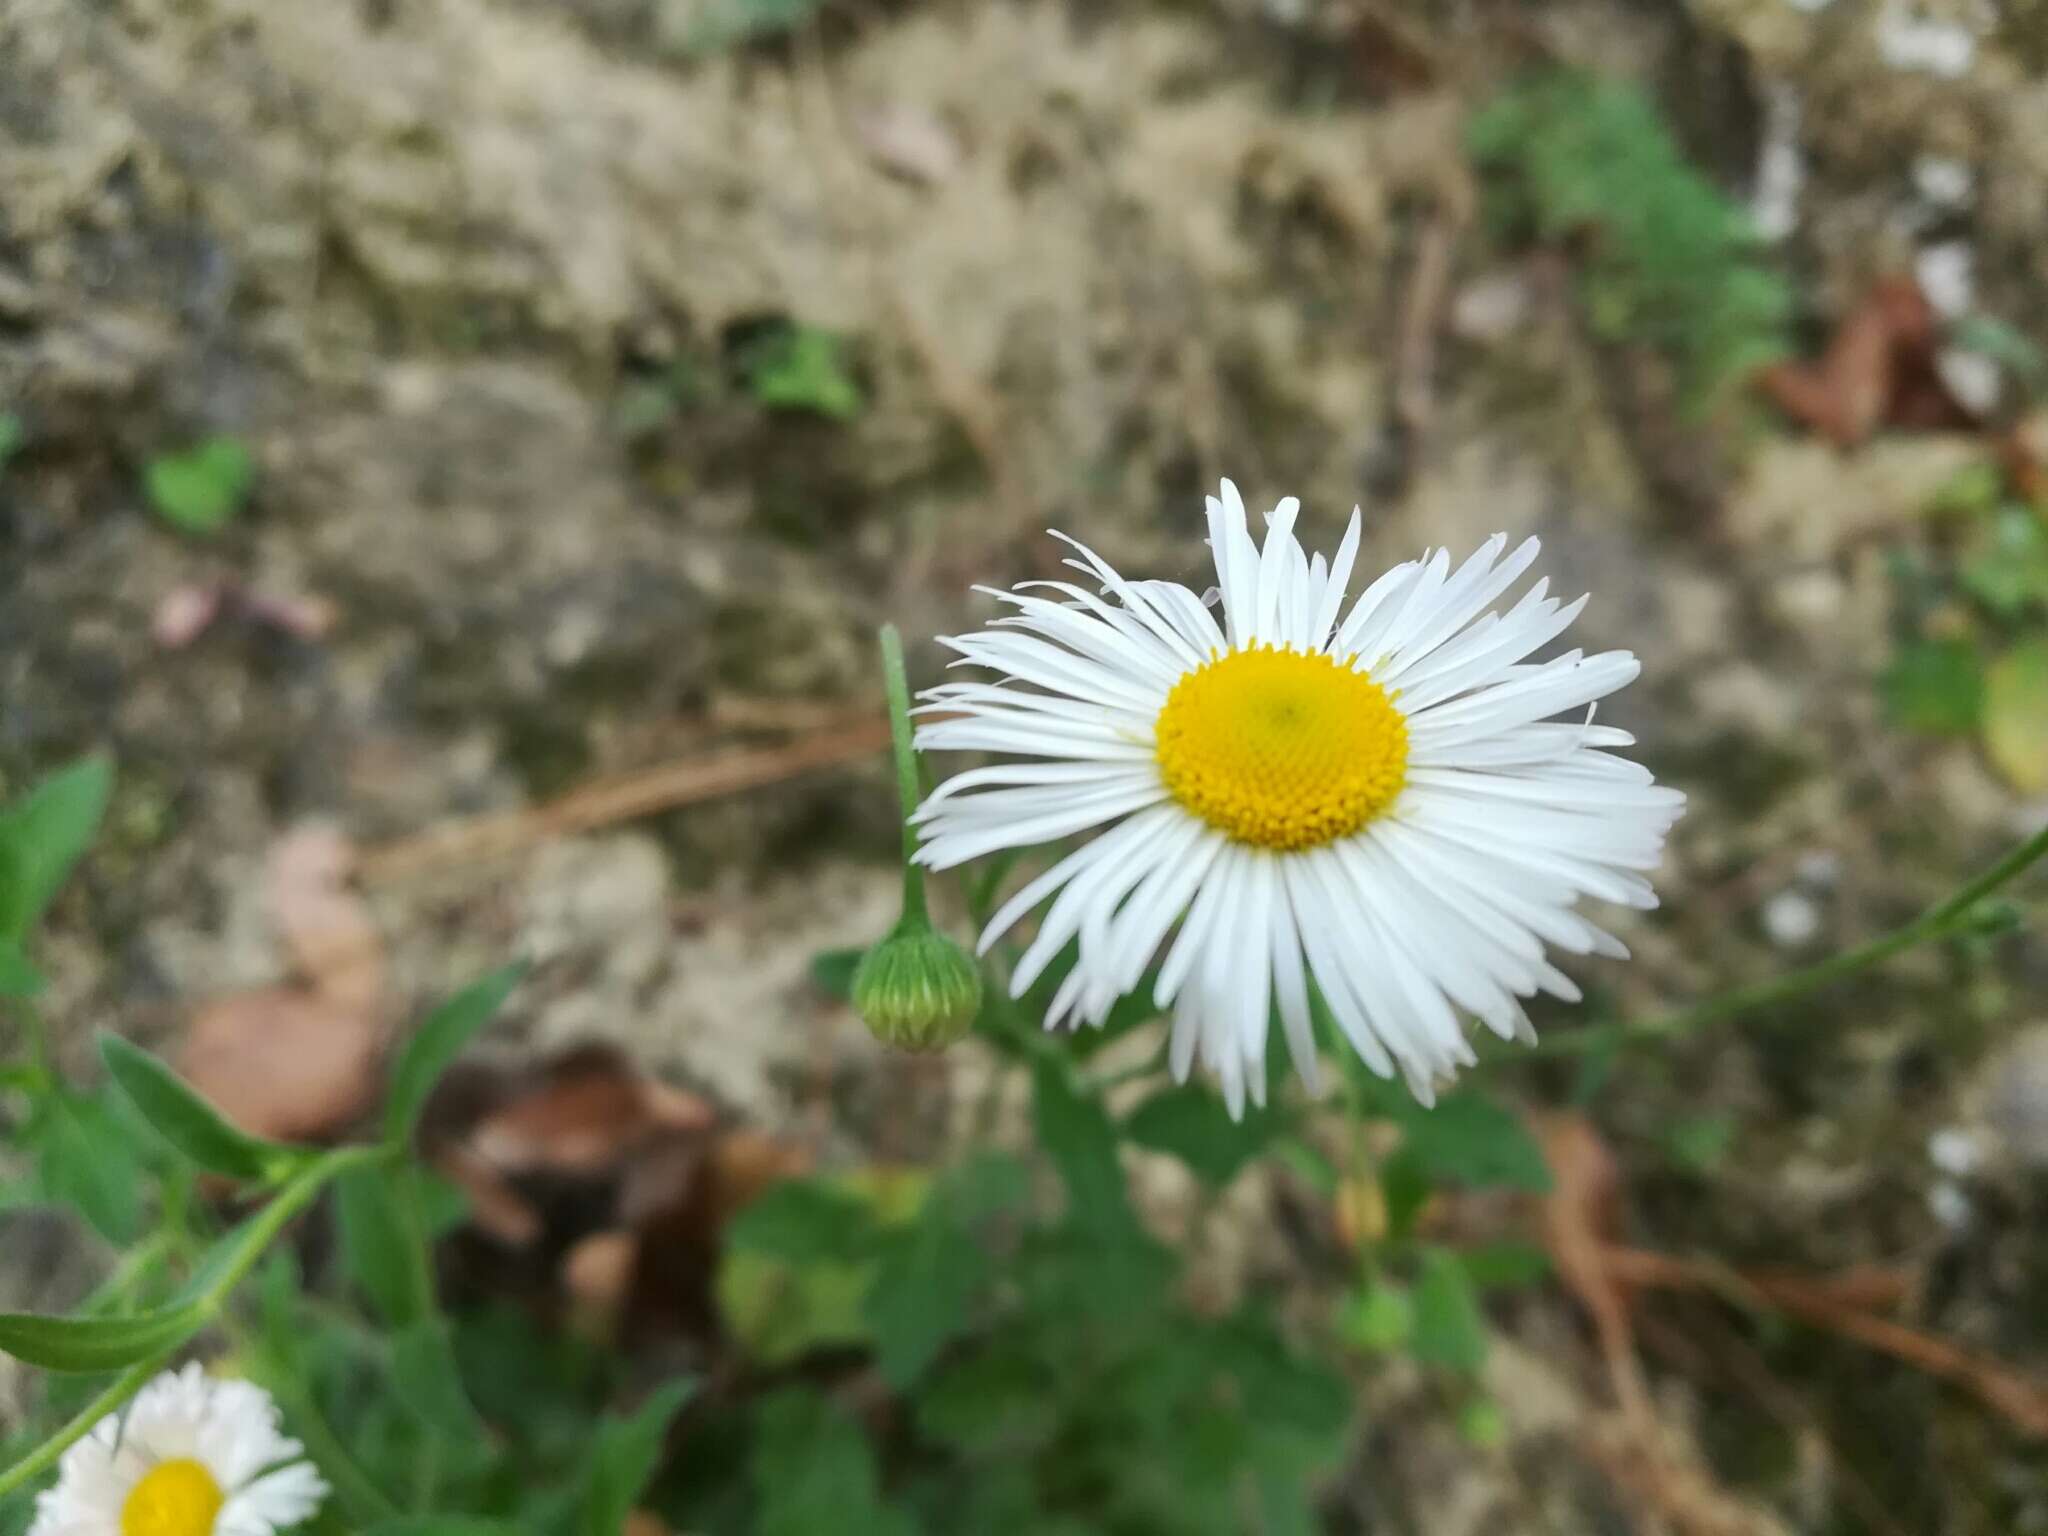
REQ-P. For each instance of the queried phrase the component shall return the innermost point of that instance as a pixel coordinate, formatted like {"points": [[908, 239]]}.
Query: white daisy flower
{"points": [[189, 1456], [1370, 797]]}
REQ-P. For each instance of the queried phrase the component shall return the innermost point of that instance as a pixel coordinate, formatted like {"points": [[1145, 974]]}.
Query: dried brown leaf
{"points": [[284, 1063], [325, 924]]}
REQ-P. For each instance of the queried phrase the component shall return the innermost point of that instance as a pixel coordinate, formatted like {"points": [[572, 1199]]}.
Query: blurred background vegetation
{"points": [[415, 413]]}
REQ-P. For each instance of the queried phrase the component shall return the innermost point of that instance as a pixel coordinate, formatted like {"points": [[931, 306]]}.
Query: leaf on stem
{"points": [[44, 835], [436, 1044], [191, 1125]]}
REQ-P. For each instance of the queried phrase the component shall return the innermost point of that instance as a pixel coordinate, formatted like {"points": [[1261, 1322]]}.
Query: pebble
{"points": [[1791, 919]]}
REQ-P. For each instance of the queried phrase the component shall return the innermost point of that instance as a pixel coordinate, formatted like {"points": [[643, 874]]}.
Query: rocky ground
{"points": [[474, 279]]}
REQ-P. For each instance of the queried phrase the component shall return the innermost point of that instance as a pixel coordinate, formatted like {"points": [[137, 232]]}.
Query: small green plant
{"points": [[1668, 259], [201, 490], [1972, 628], [801, 368], [710, 26]]}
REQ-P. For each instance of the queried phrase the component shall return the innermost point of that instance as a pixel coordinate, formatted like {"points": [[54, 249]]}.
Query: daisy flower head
{"points": [[189, 1456], [1291, 787]]}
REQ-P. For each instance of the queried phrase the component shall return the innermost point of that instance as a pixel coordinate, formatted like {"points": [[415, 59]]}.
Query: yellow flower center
{"points": [[176, 1498], [1282, 749]]}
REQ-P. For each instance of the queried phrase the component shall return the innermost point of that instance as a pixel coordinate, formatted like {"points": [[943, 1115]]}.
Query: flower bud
{"points": [[917, 989]]}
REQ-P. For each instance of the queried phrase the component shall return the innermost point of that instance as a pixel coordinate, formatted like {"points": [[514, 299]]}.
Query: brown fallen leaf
{"points": [[285, 1063], [1879, 370], [325, 924], [588, 1111]]}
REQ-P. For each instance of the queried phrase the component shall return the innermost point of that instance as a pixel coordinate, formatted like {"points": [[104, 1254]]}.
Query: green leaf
{"points": [[201, 490], [44, 835], [717, 24], [780, 1311], [802, 1221], [436, 1044], [377, 1246], [1469, 1139], [429, 1382], [17, 977], [1450, 1330], [88, 1162], [1506, 1266], [1190, 1123], [191, 1125], [1405, 1186], [813, 1472], [991, 1402], [95, 1343], [1076, 1133], [1697, 1143], [2008, 571], [803, 368], [624, 1458], [443, 1525], [832, 971], [1377, 1319], [2016, 715], [922, 1292], [1935, 686], [12, 435]]}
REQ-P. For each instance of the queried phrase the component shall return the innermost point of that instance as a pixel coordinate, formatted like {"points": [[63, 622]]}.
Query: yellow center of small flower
{"points": [[175, 1498], [1281, 749]]}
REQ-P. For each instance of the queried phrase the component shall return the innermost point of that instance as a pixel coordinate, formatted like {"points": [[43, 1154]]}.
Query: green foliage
{"points": [[43, 835], [436, 1044], [18, 978], [95, 1343], [1450, 1330], [1077, 1134], [1935, 686], [87, 1160], [428, 1381], [812, 1471], [721, 24], [201, 490], [376, 1245], [799, 367], [1698, 1143], [12, 435], [1668, 259], [189, 1124], [1379, 1318], [1191, 1123], [1469, 1139], [1972, 655], [2007, 566], [622, 1459], [2016, 714]]}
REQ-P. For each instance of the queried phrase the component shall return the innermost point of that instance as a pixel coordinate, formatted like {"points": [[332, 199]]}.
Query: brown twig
{"points": [[622, 798], [1838, 1304]]}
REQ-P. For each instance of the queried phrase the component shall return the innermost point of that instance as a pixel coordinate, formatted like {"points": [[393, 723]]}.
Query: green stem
{"points": [[205, 1303], [123, 1387], [908, 788], [1938, 921], [134, 1267], [302, 1411]]}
